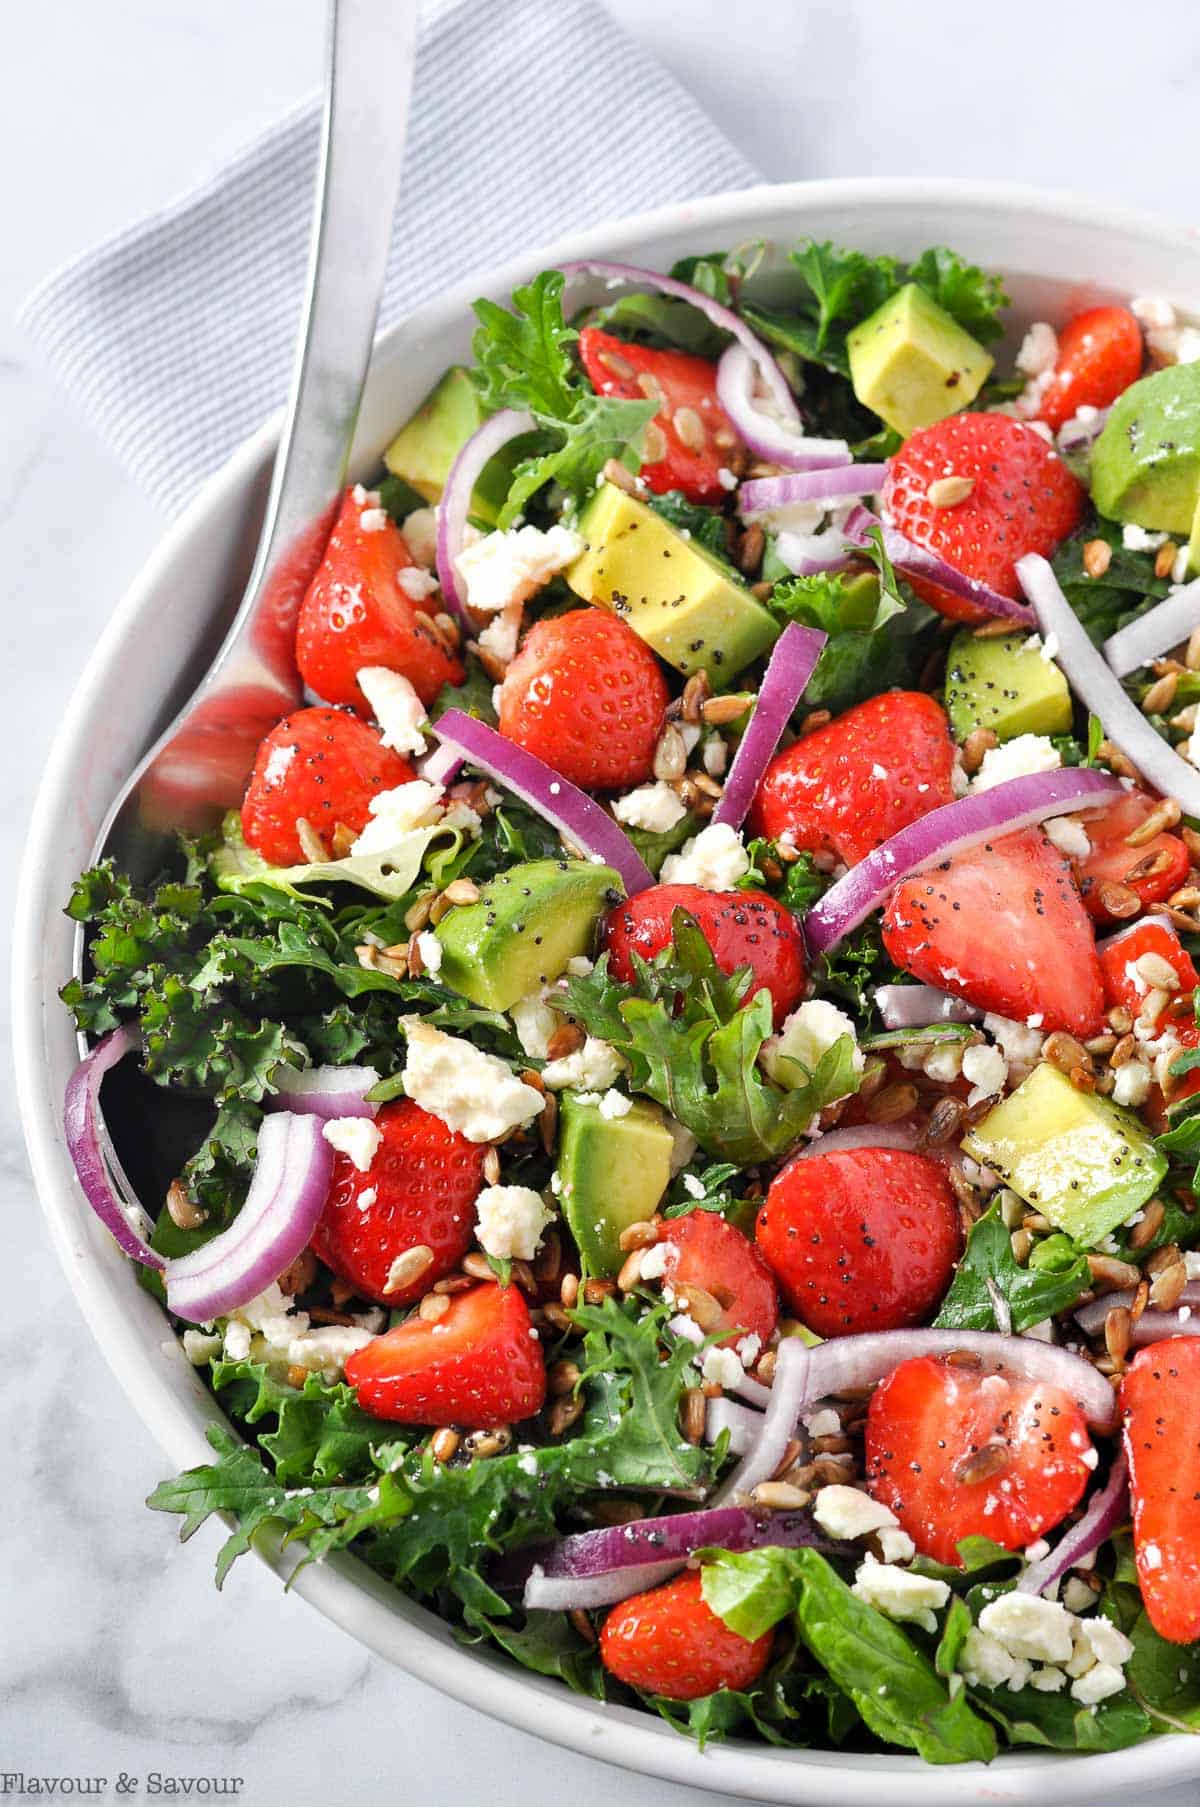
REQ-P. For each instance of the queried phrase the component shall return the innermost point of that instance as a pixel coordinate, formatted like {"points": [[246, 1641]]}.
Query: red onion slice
{"points": [[1017, 803], [920, 1006], [790, 1392], [904, 1136], [1105, 1512], [81, 1129], [325, 1092], [792, 663], [1080, 434], [1100, 689], [742, 1423], [912, 560], [554, 797], [286, 1197], [1155, 633], [1090, 1317], [1156, 1326], [776, 437], [762, 495], [442, 766], [455, 505]]}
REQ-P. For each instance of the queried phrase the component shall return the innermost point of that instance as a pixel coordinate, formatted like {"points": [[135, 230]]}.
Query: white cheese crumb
{"points": [[1018, 758], [395, 813], [396, 707], [1138, 539], [504, 568], [808, 1033], [420, 536], [900, 1593], [615, 1104], [654, 807], [722, 1367], [715, 859], [200, 1346], [535, 1023], [1029, 1626], [1039, 350], [849, 1512], [430, 950], [417, 583], [472, 1092], [279, 760], [1131, 1084], [1069, 836], [1097, 1684], [592, 1068], [510, 1221], [358, 1138], [987, 1070]]}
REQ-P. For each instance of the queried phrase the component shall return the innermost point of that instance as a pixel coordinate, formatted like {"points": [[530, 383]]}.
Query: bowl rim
{"points": [[343, 1589]]}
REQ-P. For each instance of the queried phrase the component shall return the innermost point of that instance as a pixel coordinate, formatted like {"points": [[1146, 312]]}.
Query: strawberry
{"points": [[865, 1239], [670, 1642], [478, 1365], [586, 695], [357, 612], [319, 765], [1160, 1409], [1024, 500], [956, 1453], [1119, 956], [1002, 925], [853, 784], [1099, 355], [743, 928], [690, 441], [705, 1251], [419, 1190], [1154, 869]]}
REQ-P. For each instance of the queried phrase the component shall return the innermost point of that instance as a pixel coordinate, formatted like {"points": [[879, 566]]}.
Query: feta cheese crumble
{"points": [[592, 1068], [1019, 758], [654, 807], [472, 1092], [808, 1033], [396, 707], [510, 1221], [506, 567], [899, 1593], [358, 1138], [715, 859], [849, 1512]]}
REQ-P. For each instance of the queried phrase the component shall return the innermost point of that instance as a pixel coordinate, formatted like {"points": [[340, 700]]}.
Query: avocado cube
{"points": [[1146, 462], [912, 364], [612, 1173], [1193, 557], [526, 925], [1005, 685], [425, 448], [692, 609], [1079, 1159]]}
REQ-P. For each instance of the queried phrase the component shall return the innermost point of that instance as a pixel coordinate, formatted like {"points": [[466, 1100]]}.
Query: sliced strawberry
{"points": [[690, 440], [853, 784], [670, 1642], [705, 1251], [865, 1239], [1160, 1406], [1124, 984], [1154, 869], [956, 1453], [1002, 925], [418, 1192], [1099, 355], [321, 766], [1023, 499], [743, 928], [357, 612], [478, 1365], [586, 695]]}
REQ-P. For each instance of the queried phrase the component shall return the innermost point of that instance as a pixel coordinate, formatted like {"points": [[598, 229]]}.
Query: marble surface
{"points": [[118, 1655]]}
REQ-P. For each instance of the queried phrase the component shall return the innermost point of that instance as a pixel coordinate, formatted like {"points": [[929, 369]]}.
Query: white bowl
{"points": [[1057, 253]]}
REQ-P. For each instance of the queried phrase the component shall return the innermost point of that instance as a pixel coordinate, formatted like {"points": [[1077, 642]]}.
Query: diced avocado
{"points": [[1080, 1160], [612, 1173], [1193, 557], [689, 606], [1005, 685], [526, 925], [912, 364], [427, 445], [1146, 462]]}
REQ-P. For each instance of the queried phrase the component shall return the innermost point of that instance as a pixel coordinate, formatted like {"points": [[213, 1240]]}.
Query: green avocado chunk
{"points": [[1005, 685], [692, 609], [1146, 462], [1083, 1162], [612, 1173], [425, 448], [528, 922], [912, 364]]}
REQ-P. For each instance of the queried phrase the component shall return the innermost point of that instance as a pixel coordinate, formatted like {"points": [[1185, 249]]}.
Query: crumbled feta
{"points": [[430, 950], [715, 756], [279, 760], [1029, 1626], [396, 707], [654, 807], [1077, 1595], [1048, 1680], [592, 1068], [900, 1593], [693, 1185], [326, 1349], [510, 1221], [420, 536], [942, 1063], [535, 1023], [358, 1138], [823, 1423], [683, 1145], [500, 636], [897, 1545], [654, 1260], [365, 498], [395, 813], [1069, 836], [472, 1092], [200, 1346], [373, 520], [615, 1104], [987, 1663], [1151, 1557], [1039, 350], [271, 1331], [1106, 1643], [987, 1070], [715, 859], [1153, 311], [1181, 565], [418, 584], [1097, 1684], [501, 568], [722, 1367], [1018, 758], [1139, 539], [849, 1512], [1131, 1084], [809, 1032]]}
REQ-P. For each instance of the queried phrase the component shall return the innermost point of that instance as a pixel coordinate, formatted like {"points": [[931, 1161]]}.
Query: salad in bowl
{"points": [[669, 1111]]}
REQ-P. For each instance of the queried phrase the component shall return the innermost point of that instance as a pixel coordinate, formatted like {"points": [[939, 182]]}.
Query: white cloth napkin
{"points": [[530, 119]]}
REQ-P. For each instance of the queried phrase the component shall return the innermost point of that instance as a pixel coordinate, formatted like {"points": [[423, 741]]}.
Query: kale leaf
{"points": [[990, 1284]]}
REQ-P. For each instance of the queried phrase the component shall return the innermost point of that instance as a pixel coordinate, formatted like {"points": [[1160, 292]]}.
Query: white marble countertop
{"points": [[118, 1655]]}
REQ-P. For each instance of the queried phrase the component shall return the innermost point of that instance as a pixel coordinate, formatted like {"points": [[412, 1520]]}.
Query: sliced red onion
{"points": [[1090, 1317], [286, 1197], [1155, 1326], [792, 663], [455, 505], [82, 1131], [920, 1006], [441, 766], [1005, 808], [1131, 928], [790, 1391], [753, 1390], [904, 1136], [326, 1092], [769, 373], [1155, 633], [763, 495], [1081, 433], [1101, 692], [743, 1424], [554, 797], [1106, 1510], [832, 549], [918, 561], [777, 437]]}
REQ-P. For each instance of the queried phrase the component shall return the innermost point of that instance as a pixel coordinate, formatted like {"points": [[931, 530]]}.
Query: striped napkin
{"points": [[530, 119]]}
